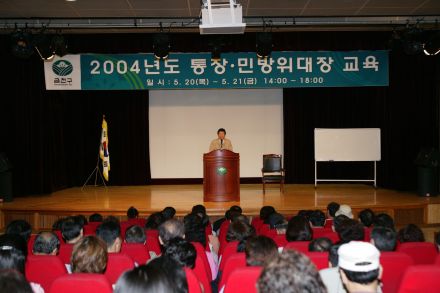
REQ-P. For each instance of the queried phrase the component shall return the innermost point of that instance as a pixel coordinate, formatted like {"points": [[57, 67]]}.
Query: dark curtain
{"points": [[52, 137], [406, 112]]}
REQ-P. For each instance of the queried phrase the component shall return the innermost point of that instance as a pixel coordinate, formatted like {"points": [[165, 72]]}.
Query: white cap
{"points": [[358, 256], [344, 210]]}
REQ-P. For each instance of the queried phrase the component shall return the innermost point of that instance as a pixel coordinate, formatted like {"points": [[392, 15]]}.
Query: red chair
{"points": [[319, 232], [131, 222], [90, 228], [319, 259], [280, 240], [201, 273], [84, 283], [257, 223], [265, 230], [153, 241], [230, 249], [222, 235], [117, 264], [301, 246], [30, 243], [193, 282], [59, 235], [65, 252], [137, 251], [202, 254], [236, 260], [394, 265], [328, 223], [421, 278], [421, 252], [44, 269], [437, 260], [367, 234], [243, 280]]}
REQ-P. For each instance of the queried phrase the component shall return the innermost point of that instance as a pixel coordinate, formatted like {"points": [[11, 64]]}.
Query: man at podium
{"points": [[220, 143]]}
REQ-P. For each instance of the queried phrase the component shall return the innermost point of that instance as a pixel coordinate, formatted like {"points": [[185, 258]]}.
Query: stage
{"points": [[42, 211]]}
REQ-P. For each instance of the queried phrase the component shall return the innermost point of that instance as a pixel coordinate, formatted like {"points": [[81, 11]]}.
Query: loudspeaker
{"points": [[428, 157]]}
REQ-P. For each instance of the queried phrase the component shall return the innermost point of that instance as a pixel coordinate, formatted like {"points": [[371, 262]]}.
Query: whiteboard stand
{"points": [[345, 180]]}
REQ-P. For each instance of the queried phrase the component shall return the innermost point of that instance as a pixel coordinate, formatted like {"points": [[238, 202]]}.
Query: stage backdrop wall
{"points": [[183, 123]]}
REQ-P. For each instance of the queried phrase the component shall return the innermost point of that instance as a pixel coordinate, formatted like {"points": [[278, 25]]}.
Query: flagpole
{"points": [[96, 170]]}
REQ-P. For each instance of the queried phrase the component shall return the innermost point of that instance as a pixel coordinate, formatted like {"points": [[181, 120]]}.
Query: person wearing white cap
{"points": [[359, 266], [344, 210]]}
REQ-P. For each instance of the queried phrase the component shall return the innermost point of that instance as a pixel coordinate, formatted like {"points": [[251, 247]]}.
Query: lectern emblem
{"points": [[222, 171]]}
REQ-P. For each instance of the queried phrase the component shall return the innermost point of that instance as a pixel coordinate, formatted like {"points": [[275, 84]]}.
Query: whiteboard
{"points": [[347, 144]]}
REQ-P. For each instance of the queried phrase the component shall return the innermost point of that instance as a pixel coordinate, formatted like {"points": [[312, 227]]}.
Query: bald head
{"points": [[46, 243]]}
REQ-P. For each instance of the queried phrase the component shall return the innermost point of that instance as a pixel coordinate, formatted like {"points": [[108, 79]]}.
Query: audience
{"points": [[298, 229], [71, 230], [89, 256], [169, 230], [366, 217], [259, 250], [154, 221], [410, 233], [278, 222], [240, 230], [110, 232], [384, 220], [317, 218], [330, 276], [385, 239], [14, 281], [46, 243], [132, 213], [290, 272], [332, 208], [95, 218], [145, 278], [350, 230], [19, 227], [135, 234], [265, 213], [344, 210], [320, 244], [359, 266], [168, 213]]}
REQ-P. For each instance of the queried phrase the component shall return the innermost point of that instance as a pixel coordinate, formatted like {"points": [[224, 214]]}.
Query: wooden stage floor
{"points": [[43, 210]]}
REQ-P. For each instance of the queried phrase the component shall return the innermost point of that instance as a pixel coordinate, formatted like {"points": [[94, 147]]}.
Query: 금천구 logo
{"points": [[62, 67]]}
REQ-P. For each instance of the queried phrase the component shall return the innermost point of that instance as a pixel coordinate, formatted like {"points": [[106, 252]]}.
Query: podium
{"points": [[221, 176]]}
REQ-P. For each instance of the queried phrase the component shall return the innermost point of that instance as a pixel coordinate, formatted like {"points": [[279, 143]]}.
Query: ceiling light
{"points": [[161, 45]]}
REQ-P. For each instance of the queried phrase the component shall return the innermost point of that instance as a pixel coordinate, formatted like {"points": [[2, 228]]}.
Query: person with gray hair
{"points": [[169, 230]]}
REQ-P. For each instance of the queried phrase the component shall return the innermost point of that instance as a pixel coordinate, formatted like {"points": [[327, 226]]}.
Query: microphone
{"points": [[221, 143]]}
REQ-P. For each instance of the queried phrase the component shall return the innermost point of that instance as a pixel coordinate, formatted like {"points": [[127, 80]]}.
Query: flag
{"points": [[103, 150]]}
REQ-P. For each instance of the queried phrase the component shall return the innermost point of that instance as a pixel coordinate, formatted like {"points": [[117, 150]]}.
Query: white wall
{"points": [[183, 123]]}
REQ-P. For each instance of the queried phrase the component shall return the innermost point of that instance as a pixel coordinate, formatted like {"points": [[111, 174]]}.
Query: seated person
{"points": [[260, 250], [71, 230], [290, 271], [89, 256], [95, 218], [46, 243], [19, 227], [14, 281], [410, 233], [110, 233], [317, 219], [385, 239], [298, 229], [322, 244], [135, 234], [359, 266], [366, 217]]}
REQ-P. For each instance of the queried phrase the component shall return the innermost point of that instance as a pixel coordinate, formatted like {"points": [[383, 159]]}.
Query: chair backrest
{"points": [[319, 259], [421, 278], [90, 228], [272, 163], [137, 251], [222, 235], [301, 246], [243, 280], [153, 241], [117, 264], [193, 282], [230, 249], [394, 265], [44, 269], [280, 240], [328, 223], [421, 252], [437, 260], [30, 243], [84, 283], [201, 272], [201, 253], [65, 252], [131, 222], [257, 223], [236, 260]]}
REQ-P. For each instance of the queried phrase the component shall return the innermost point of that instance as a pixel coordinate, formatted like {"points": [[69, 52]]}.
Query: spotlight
{"points": [[161, 45], [432, 45], [43, 46], [263, 44], [21, 44], [59, 45]]}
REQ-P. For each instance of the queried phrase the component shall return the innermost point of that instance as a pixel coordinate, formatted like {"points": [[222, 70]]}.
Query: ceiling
{"points": [[32, 11]]}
